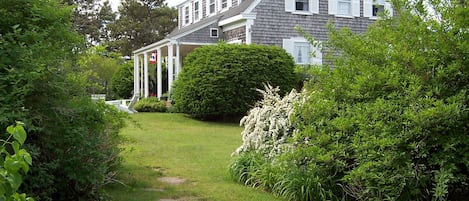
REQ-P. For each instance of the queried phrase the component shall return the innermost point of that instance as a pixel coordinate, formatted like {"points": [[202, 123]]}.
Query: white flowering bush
{"points": [[267, 126]]}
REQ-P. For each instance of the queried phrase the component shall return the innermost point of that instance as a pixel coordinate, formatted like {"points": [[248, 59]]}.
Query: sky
{"points": [[116, 3]]}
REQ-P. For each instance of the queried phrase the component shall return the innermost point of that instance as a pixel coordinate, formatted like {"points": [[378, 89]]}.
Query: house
{"points": [[270, 22]]}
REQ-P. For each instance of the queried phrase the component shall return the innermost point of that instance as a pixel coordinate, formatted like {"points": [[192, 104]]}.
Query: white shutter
{"points": [[356, 8], [367, 8], [289, 46], [388, 7], [314, 6], [289, 5], [332, 7], [317, 59]]}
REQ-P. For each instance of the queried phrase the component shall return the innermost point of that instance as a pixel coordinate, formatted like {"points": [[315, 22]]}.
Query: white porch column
{"points": [[159, 74], [249, 24], [136, 75], [145, 75], [178, 60], [170, 65], [141, 87]]}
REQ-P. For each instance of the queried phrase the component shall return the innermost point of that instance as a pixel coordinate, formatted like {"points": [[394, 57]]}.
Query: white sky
{"points": [[171, 3]]}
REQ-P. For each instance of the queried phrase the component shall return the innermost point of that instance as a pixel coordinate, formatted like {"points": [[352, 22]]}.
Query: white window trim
{"points": [[289, 46], [313, 7], [200, 10], [355, 9], [208, 8], [218, 32], [228, 5], [368, 12], [188, 6]]}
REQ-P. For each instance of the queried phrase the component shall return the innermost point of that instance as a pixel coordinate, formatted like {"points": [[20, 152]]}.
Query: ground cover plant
{"points": [[172, 145], [220, 80], [150, 104], [388, 123]]}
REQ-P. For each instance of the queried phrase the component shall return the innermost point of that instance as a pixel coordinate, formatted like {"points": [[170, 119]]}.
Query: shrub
{"points": [[388, 123], [220, 80], [122, 81], [151, 104], [267, 127], [15, 162]]}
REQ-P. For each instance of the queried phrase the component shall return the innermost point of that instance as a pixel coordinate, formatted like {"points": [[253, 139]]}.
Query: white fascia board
{"points": [[252, 6], [242, 16], [193, 30], [153, 46], [234, 25], [194, 43]]}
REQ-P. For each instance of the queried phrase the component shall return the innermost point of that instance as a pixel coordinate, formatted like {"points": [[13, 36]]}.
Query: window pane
{"points": [[344, 8], [302, 5], [224, 4], [196, 11], [212, 6], [302, 51]]}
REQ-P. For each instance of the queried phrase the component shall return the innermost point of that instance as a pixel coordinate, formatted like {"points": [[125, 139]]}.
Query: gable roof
{"points": [[243, 6]]}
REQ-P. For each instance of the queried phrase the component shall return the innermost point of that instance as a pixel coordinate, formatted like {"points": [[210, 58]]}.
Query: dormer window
{"points": [[196, 11], [302, 5], [186, 15], [224, 4], [211, 7]]}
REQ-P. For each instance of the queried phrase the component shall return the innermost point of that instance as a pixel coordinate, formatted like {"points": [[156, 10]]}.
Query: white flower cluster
{"points": [[267, 127]]}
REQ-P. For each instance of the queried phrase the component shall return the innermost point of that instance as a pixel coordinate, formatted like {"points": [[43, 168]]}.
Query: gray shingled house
{"points": [[270, 22]]}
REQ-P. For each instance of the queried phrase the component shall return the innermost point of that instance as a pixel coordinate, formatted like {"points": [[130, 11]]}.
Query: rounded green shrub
{"points": [[122, 81], [221, 80], [151, 104]]}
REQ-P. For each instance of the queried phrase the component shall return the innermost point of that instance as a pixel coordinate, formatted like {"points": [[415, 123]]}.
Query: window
{"points": [[224, 4], [377, 7], [302, 5], [213, 32], [344, 7], [373, 8], [302, 51], [211, 7], [186, 15], [196, 11]]}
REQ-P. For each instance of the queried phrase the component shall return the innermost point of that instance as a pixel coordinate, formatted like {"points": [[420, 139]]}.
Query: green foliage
{"points": [[389, 122], [127, 35], [76, 165], [99, 67], [72, 141], [151, 104], [220, 80], [14, 162], [122, 81]]}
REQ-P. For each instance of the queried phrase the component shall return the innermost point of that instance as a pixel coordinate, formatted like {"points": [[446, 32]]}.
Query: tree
{"points": [[141, 22], [91, 19], [72, 140], [100, 67], [122, 81]]}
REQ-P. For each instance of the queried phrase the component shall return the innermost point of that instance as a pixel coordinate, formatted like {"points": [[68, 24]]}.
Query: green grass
{"points": [[172, 145]]}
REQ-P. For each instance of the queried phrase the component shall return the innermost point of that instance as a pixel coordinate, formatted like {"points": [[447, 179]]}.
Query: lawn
{"points": [[174, 147]]}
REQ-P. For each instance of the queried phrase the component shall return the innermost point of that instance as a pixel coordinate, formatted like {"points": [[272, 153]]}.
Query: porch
{"points": [[150, 79]]}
